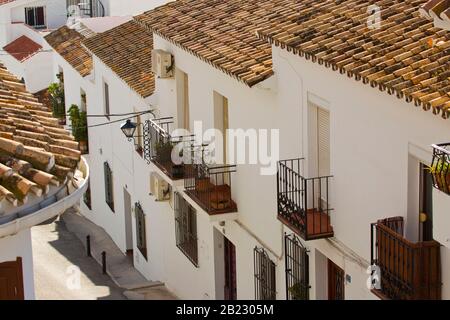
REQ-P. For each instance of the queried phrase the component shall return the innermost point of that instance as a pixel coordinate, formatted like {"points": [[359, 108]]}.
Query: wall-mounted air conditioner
{"points": [[159, 188], [162, 64]]}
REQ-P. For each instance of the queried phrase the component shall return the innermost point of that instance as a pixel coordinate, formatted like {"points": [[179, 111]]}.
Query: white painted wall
{"points": [[373, 135], [19, 245], [130, 7], [56, 13]]}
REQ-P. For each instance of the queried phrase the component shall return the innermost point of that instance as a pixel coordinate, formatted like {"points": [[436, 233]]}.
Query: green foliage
{"points": [[56, 92], [441, 172], [298, 292], [79, 123]]}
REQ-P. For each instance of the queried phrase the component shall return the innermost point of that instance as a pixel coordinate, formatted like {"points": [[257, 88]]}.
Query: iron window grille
{"points": [[265, 284], [297, 269], [141, 233], [186, 228], [109, 193]]}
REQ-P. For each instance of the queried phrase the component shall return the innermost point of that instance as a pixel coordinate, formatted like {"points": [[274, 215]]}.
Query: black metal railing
{"points": [[440, 167], [210, 186], [186, 228], [85, 8], [303, 203], [407, 270], [264, 273], [159, 145], [297, 269]]}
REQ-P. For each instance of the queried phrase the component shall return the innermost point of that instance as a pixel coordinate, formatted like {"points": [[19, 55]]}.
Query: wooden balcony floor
{"points": [[214, 199], [318, 224]]}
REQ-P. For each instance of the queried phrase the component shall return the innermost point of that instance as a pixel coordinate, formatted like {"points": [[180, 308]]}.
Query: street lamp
{"points": [[129, 128]]}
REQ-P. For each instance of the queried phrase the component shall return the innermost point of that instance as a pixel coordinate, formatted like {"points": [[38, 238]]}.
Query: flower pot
{"points": [[83, 146], [178, 171]]}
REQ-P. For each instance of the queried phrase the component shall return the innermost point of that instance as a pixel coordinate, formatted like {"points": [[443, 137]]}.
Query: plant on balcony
{"points": [[79, 126], [298, 292], [441, 173], [56, 92], [163, 150]]}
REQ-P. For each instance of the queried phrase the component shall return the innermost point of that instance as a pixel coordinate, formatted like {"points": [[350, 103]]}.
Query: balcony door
{"points": [[11, 280], [426, 204], [230, 270]]}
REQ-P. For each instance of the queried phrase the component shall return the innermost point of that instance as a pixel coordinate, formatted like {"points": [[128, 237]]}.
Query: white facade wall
{"points": [[373, 138], [56, 13], [19, 245], [130, 7]]}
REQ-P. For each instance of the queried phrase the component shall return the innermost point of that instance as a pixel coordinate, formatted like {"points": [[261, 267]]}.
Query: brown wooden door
{"points": [[426, 203], [11, 280], [335, 282], [230, 270]]}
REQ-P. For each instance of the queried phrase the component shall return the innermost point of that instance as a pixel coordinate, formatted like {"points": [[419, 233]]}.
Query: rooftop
{"points": [[127, 51], [222, 33], [22, 48], [406, 56], [67, 43], [35, 151]]}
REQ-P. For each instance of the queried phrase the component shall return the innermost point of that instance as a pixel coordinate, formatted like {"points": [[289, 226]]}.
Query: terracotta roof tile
{"points": [[127, 49], [407, 56], [35, 151], [219, 32], [22, 48], [2, 2], [67, 43]]}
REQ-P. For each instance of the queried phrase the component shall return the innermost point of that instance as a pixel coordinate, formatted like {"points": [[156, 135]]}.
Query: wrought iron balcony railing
{"points": [[159, 145], [408, 271], [440, 167], [85, 8], [210, 187], [303, 203]]}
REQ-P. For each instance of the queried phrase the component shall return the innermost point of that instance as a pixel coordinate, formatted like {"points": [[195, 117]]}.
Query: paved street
{"points": [[56, 251]]}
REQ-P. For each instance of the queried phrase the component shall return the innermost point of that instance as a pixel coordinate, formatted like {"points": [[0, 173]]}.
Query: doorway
{"points": [[230, 270], [426, 204], [128, 223], [11, 280], [336, 278]]}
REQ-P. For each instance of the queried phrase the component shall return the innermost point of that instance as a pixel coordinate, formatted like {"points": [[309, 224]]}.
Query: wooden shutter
{"points": [[11, 280], [323, 141], [40, 16], [107, 112]]}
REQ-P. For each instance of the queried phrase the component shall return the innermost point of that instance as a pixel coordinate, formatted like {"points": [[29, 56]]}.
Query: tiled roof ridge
{"points": [[408, 56], [67, 43], [35, 151], [205, 16], [129, 56]]}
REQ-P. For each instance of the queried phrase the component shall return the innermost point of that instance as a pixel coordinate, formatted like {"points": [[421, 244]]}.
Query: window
{"points": [[106, 93], [221, 123], [186, 228], [297, 269], [109, 193], [83, 100], [35, 17], [265, 287], [183, 100], [141, 236], [87, 197]]}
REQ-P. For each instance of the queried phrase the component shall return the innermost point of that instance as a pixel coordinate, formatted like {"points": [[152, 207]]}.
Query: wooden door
{"points": [[426, 204], [11, 280], [335, 282], [230, 270]]}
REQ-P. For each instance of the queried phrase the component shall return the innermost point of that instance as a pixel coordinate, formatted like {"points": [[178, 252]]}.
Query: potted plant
{"points": [[79, 127], [441, 173], [298, 292], [56, 92]]}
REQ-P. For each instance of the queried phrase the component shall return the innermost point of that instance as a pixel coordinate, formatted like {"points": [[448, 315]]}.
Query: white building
{"points": [[309, 227], [42, 175]]}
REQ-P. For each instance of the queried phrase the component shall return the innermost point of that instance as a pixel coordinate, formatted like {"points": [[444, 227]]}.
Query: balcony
{"points": [[159, 144], [210, 187], [409, 271], [85, 8], [440, 167], [303, 203]]}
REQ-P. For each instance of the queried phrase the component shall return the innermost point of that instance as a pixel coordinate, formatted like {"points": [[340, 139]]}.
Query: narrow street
{"points": [[57, 256]]}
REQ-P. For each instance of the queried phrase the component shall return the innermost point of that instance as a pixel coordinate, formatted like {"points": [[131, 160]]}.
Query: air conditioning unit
{"points": [[159, 188], [162, 63]]}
